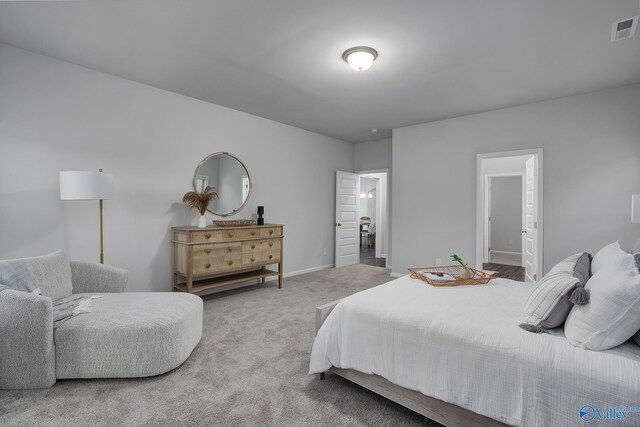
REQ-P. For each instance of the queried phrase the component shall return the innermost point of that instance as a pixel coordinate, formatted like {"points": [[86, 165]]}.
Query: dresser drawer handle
{"points": [[270, 244], [207, 266], [253, 233], [207, 236], [253, 246], [253, 259], [230, 249], [207, 251], [230, 263], [270, 232], [270, 256], [230, 235]]}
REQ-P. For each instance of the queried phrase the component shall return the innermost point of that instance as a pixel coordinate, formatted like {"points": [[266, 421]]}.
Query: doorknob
{"points": [[338, 224], [524, 231]]}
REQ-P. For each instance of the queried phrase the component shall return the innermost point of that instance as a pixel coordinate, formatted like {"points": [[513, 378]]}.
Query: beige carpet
{"points": [[250, 369]]}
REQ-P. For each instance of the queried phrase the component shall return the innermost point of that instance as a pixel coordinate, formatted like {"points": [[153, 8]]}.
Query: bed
{"points": [[457, 355]]}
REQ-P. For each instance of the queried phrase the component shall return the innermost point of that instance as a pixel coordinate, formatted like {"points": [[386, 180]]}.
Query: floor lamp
{"points": [[87, 185]]}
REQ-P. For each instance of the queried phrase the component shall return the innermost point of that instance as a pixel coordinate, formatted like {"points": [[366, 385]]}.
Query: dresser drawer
{"points": [[206, 236], [213, 265], [271, 231], [214, 250], [252, 246], [272, 245], [260, 258], [231, 234]]}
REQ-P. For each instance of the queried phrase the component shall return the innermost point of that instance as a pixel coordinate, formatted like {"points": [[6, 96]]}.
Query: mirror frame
{"points": [[195, 188]]}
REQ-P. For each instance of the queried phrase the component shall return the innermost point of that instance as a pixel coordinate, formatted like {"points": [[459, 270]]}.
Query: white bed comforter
{"points": [[463, 345]]}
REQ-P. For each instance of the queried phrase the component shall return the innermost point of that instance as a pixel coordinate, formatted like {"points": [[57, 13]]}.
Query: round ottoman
{"points": [[130, 334]]}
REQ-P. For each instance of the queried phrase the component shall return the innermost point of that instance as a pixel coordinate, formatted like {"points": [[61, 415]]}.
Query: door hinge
{"points": [[535, 277], [535, 224]]}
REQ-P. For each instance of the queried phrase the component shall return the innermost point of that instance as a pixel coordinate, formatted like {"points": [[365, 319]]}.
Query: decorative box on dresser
{"points": [[212, 259]]}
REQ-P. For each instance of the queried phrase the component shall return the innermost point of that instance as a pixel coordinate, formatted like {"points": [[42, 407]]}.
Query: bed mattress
{"points": [[463, 345]]}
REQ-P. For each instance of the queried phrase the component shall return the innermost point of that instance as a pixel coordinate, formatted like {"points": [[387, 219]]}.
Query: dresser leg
{"points": [[280, 275], [263, 279]]}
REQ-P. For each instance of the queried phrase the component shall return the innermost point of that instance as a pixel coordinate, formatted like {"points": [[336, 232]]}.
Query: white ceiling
{"points": [[281, 59]]}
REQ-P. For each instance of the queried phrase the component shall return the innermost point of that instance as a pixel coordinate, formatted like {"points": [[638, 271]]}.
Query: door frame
{"points": [[387, 201], [481, 203], [486, 243]]}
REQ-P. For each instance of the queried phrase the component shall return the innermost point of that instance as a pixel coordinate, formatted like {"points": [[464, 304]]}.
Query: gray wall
{"points": [[506, 214], [591, 167], [57, 116], [373, 155]]}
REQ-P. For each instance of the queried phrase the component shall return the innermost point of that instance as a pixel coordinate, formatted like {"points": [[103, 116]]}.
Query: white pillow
{"points": [[612, 256], [613, 313]]}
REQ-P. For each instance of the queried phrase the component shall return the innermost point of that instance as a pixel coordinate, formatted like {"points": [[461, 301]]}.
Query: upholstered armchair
{"points": [[27, 350], [126, 334]]}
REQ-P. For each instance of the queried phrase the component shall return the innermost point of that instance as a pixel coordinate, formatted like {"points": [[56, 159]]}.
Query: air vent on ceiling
{"points": [[624, 29]]}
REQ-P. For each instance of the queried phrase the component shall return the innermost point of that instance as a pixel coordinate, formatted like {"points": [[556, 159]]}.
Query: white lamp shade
{"points": [[635, 208], [86, 185]]}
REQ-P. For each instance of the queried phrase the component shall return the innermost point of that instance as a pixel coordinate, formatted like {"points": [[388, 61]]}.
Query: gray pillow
{"points": [[49, 275], [563, 286]]}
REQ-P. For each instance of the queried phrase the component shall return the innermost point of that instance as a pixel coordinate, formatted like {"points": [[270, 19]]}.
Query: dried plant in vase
{"points": [[200, 202]]}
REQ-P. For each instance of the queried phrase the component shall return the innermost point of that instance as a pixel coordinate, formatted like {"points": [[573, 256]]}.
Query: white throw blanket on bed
{"points": [[463, 345]]}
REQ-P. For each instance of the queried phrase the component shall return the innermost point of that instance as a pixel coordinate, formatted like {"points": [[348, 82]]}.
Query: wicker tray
{"points": [[233, 222], [478, 277]]}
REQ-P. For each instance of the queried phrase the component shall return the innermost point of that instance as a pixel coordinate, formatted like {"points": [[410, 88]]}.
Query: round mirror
{"points": [[230, 178]]}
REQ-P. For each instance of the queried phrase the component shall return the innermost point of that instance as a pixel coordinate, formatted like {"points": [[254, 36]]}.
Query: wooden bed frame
{"points": [[447, 414]]}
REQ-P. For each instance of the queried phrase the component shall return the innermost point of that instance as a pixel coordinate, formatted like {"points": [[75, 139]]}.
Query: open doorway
{"points": [[509, 223], [372, 212], [505, 200], [362, 218]]}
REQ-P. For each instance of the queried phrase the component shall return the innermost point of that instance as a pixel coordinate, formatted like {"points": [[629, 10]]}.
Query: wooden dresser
{"points": [[212, 259]]}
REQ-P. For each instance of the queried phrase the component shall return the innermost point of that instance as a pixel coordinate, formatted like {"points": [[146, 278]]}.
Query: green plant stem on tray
{"points": [[459, 260]]}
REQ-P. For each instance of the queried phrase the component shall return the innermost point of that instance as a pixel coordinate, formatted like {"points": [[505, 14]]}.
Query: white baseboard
{"points": [[299, 272], [397, 274], [506, 253]]}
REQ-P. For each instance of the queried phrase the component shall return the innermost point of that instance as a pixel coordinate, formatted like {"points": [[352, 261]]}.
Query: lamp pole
{"points": [[101, 238]]}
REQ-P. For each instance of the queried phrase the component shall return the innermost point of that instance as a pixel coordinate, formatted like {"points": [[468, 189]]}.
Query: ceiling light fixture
{"points": [[360, 58]]}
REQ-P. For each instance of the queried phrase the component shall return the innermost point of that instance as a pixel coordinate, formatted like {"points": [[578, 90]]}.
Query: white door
{"points": [[531, 222], [347, 249]]}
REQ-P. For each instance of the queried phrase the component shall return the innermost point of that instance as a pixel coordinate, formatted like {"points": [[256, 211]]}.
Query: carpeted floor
{"points": [[250, 369]]}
